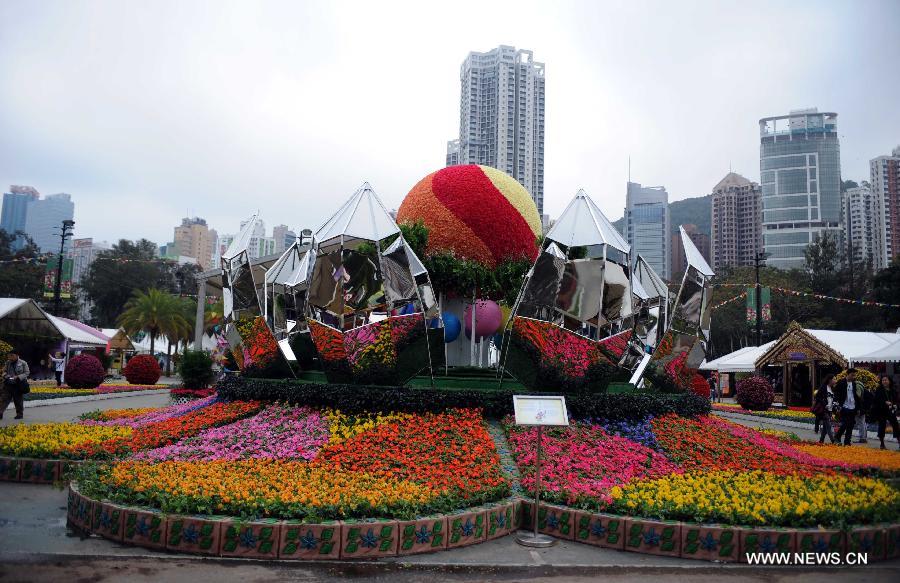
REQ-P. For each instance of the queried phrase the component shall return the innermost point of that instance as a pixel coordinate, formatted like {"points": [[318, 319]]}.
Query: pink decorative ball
{"points": [[488, 318]]}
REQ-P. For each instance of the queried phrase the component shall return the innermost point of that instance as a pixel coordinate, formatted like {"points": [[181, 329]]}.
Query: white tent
{"points": [[79, 336], [890, 353], [23, 317], [741, 360], [858, 346]]}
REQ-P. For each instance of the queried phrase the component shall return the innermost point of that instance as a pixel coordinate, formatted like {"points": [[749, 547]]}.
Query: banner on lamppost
{"points": [[765, 301], [65, 289]]}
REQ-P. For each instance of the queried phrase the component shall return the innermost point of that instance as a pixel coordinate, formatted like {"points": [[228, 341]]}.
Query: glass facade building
{"points": [[800, 171], [647, 226]]}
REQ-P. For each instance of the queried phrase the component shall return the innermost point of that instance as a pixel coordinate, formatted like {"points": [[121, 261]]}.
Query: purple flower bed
{"points": [[157, 416], [277, 432], [639, 431]]}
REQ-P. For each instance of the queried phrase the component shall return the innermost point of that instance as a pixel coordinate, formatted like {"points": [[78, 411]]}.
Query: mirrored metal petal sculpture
{"points": [[683, 345], [369, 301], [572, 323]]}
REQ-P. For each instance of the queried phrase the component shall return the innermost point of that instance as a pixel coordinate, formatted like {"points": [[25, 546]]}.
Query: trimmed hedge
{"points": [[495, 403]]}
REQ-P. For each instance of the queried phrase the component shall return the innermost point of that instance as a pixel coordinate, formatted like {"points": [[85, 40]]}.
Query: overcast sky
{"points": [[148, 111]]}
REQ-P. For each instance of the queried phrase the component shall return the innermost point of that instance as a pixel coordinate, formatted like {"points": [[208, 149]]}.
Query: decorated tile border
{"points": [[280, 539], [31, 470]]}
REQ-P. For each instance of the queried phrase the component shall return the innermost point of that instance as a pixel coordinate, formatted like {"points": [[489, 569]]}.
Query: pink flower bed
{"points": [[103, 389], [277, 432], [156, 416], [777, 446], [580, 464]]}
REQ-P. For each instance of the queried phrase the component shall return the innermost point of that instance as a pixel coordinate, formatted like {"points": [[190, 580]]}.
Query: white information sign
{"points": [[540, 410]]}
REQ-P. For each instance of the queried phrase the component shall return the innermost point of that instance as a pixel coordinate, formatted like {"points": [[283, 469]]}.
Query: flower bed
{"points": [[786, 414], [885, 460], [49, 440], [39, 393], [393, 466]]}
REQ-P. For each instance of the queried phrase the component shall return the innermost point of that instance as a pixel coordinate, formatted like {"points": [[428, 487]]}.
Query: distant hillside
{"points": [[681, 212]]}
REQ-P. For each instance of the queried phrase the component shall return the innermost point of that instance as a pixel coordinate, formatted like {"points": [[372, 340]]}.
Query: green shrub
{"points": [[195, 369], [495, 402]]}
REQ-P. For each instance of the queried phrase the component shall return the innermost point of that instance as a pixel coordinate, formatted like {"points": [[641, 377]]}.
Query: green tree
{"points": [[21, 271], [886, 289], [823, 257], [155, 312]]}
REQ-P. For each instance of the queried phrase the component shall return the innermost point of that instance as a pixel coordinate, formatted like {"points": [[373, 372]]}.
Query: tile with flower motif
{"points": [[557, 521], [80, 511], [765, 540], [654, 537], [501, 519], [361, 540], [869, 540], [193, 534], [9, 469], [709, 542], [109, 520], [39, 471], [466, 528], [602, 530], [144, 528], [310, 541], [527, 515], [422, 536], [820, 541], [255, 540], [892, 541]]}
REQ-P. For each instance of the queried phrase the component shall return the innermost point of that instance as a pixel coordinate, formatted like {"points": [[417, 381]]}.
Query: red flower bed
{"points": [[191, 393], [142, 370], [170, 430], [450, 452]]}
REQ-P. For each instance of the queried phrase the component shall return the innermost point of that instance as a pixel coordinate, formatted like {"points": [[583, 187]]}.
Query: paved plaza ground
{"points": [[35, 546]]}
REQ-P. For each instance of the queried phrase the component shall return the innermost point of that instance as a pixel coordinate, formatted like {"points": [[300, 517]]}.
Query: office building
{"points": [[501, 121], [647, 227], [800, 174], [44, 220], [701, 242], [192, 239], [452, 152], [885, 185], [83, 252], [859, 223], [736, 225], [15, 210], [284, 237]]}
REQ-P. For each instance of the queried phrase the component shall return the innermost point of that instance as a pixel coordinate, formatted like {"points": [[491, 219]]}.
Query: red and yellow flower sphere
{"points": [[474, 212]]}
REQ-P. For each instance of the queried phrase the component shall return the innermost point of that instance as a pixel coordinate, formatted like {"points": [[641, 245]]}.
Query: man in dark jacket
{"points": [[848, 394], [14, 375]]}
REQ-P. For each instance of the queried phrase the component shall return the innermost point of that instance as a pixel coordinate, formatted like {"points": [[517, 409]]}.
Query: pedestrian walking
{"points": [[713, 389], [862, 409], [15, 384], [847, 395], [823, 408], [59, 365], [885, 403]]}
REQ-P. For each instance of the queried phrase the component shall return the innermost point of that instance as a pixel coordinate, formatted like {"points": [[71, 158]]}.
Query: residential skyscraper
{"points": [[501, 121], [452, 152], [859, 221], [284, 237], [647, 226], [44, 220], [15, 210], [700, 241], [885, 184], [736, 224], [800, 170], [83, 252], [192, 239]]}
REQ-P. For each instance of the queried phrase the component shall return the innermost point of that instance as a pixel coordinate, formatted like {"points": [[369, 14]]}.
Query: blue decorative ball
{"points": [[452, 327]]}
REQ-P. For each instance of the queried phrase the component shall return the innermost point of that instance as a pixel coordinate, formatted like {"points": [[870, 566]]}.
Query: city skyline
{"points": [[220, 112]]}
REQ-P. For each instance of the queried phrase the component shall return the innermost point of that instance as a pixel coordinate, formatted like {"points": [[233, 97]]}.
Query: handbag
{"points": [[818, 408], [24, 388]]}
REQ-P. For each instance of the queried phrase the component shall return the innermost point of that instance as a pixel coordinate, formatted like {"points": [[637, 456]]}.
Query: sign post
{"points": [[539, 411]]}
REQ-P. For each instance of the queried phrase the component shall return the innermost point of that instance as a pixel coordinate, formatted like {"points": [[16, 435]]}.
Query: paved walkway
{"points": [[804, 432], [59, 412]]}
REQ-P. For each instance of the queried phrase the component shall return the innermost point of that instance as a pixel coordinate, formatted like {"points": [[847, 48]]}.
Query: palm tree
{"points": [[181, 331], [153, 311]]}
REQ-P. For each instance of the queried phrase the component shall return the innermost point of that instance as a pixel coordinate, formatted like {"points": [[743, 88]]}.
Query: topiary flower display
{"points": [[84, 372], [868, 380], [755, 393], [142, 370], [476, 213]]}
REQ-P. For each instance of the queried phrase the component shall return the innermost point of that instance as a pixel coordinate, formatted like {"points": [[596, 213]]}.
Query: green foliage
{"points": [[195, 369], [18, 277], [416, 235], [154, 312], [5, 349], [495, 403]]}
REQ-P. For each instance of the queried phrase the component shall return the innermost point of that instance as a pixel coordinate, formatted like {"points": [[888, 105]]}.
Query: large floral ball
{"points": [[84, 371], [474, 212], [142, 369]]}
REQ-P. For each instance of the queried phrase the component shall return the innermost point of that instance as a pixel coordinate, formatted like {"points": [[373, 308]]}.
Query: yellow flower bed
{"points": [[110, 414], [67, 391], [879, 458], [342, 427], [53, 439], [260, 486], [760, 498]]}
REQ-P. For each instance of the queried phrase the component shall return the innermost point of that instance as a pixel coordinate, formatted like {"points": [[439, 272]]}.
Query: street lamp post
{"points": [[67, 226], [759, 257]]}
